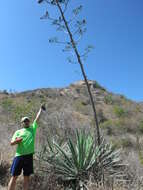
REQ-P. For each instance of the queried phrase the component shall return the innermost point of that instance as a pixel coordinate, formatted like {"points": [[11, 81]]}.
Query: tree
{"points": [[74, 28]]}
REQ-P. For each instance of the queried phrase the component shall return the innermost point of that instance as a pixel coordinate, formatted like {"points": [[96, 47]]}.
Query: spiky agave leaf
{"points": [[75, 160]]}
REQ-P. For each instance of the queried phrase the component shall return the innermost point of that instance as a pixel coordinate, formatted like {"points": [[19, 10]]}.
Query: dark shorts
{"points": [[22, 163]]}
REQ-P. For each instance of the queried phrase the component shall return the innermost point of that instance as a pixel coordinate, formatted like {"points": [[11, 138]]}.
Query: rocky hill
{"points": [[70, 108], [121, 119]]}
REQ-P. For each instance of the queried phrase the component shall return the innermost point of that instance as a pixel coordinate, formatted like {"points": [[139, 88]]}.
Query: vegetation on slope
{"points": [[69, 108]]}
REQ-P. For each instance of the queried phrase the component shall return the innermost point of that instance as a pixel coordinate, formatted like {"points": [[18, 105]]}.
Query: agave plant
{"points": [[108, 163], [77, 159], [49, 151]]}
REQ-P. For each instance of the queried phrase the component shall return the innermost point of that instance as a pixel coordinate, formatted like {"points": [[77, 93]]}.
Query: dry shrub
{"points": [[134, 171], [40, 182], [4, 171]]}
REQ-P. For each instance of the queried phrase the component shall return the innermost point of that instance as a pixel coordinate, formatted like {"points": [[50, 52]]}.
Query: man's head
{"points": [[26, 122]]}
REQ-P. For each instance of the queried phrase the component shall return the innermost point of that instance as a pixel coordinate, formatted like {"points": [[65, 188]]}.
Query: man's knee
{"points": [[26, 178], [14, 178]]}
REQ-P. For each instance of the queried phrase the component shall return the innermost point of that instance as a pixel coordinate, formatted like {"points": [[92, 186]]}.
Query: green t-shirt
{"points": [[28, 136]]}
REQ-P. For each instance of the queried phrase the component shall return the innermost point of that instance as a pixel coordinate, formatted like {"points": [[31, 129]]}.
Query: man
{"points": [[24, 139]]}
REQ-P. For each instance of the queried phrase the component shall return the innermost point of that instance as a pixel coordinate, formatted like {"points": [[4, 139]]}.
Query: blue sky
{"points": [[115, 28]]}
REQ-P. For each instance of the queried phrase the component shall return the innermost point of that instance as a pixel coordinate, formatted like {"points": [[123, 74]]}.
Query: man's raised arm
{"points": [[42, 108]]}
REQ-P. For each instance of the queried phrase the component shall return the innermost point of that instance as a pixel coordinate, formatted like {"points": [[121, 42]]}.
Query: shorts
{"points": [[22, 163]]}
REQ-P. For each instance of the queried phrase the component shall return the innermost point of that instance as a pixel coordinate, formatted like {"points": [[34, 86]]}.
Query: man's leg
{"points": [[12, 183], [26, 182], [15, 172]]}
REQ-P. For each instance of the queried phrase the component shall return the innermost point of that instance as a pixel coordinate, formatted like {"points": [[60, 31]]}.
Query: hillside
{"points": [[121, 119]]}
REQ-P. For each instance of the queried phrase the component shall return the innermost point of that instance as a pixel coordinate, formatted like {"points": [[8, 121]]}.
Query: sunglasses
{"points": [[26, 120]]}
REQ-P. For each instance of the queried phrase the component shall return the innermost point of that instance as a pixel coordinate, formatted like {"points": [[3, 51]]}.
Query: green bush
{"points": [[97, 85], [140, 128], [126, 143], [108, 99], [138, 108], [122, 96], [101, 116], [24, 109], [81, 107], [16, 108], [123, 143], [7, 104], [119, 111], [115, 144], [108, 126], [118, 126]]}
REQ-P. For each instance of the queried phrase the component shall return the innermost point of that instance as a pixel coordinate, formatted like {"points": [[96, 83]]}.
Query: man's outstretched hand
{"points": [[43, 107]]}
